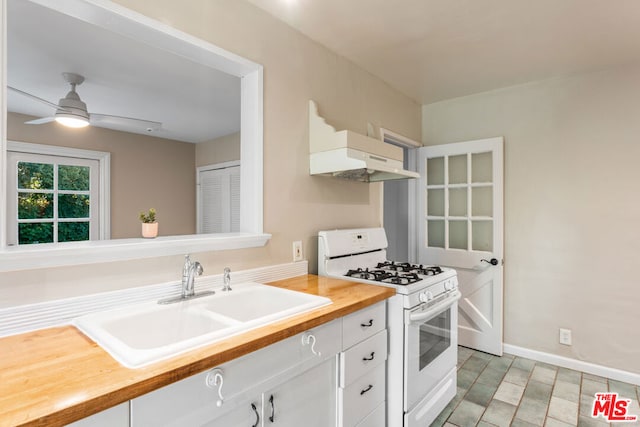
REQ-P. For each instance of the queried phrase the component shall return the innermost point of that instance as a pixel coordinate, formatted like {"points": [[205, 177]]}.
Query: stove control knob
{"points": [[448, 285], [425, 296]]}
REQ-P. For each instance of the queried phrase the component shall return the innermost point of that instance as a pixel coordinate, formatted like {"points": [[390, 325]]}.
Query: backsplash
{"points": [[16, 320]]}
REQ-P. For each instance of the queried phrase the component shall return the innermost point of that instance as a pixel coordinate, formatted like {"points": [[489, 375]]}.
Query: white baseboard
{"points": [[578, 365]]}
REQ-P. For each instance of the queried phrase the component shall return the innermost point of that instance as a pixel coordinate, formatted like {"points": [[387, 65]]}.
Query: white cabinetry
{"points": [[299, 372], [330, 375], [361, 395]]}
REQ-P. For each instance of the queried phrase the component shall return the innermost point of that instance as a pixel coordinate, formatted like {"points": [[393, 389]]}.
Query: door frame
{"points": [[495, 145]]}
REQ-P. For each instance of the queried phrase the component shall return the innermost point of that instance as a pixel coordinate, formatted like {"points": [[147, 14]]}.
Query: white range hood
{"points": [[349, 155]]}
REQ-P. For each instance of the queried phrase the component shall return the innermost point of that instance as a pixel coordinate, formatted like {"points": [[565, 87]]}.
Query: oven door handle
{"points": [[423, 315]]}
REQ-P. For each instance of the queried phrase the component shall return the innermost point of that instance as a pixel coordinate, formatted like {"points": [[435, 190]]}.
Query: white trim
{"points": [[109, 15], [119, 19], [104, 160], [222, 165], [88, 252], [391, 137], [3, 122], [412, 209], [578, 365], [28, 317], [251, 153]]}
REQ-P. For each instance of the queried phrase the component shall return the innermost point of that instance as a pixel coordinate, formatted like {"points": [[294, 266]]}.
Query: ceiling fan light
{"points": [[72, 120], [72, 112]]}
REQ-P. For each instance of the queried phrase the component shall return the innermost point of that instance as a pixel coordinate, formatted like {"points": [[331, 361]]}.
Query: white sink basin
{"points": [[145, 333], [259, 303]]}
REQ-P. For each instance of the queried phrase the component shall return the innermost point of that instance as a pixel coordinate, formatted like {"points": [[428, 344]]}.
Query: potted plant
{"points": [[149, 224]]}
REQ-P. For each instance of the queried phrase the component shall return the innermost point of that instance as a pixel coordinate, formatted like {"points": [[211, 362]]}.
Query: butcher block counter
{"points": [[56, 376]]}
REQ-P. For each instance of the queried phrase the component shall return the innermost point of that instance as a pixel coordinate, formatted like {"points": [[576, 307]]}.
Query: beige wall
{"points": [[144, 169], [572, 239], [223, 149], [296, 205]]}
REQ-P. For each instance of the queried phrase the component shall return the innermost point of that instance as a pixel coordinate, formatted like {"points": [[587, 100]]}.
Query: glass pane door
{"points": [[459, 200]]}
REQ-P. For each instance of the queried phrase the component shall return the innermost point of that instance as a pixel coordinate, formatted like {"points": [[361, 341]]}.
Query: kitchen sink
{"points": [[251, 304], [141, 334]]}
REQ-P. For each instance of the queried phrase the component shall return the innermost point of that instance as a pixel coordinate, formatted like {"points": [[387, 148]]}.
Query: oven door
{"points": [[431, 341]]}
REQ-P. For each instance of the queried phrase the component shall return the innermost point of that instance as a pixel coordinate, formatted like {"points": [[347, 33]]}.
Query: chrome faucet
{"points": [[227, 280], [189, 271]]}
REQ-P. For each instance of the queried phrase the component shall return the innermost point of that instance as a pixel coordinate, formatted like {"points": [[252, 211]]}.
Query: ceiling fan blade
{"points": [[35, 98], [106, 119], [40, 121]]}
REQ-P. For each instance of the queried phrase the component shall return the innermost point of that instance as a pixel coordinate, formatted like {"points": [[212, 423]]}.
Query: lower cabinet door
{"points": [[308, 400]]}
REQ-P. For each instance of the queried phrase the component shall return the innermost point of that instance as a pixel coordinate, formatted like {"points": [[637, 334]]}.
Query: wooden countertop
{"points": [[56, 376]]}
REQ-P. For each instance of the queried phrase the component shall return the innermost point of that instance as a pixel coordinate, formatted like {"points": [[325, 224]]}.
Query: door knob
{"points": [[492, 261]]}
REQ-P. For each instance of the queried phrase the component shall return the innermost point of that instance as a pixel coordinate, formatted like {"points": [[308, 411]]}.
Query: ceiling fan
{"points": [[71, 111]]}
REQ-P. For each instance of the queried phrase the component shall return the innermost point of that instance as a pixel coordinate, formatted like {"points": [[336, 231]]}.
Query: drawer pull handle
{"points": [[368, 324], [310, 339], [257, 415], [273, 409], [366, 389], [215, 379], [366, 359]]}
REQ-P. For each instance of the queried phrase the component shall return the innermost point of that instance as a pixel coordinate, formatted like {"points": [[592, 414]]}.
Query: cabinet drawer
{"points": [[192, 402], [362, 324], [377, 418], [363, 357], [362, 396]]}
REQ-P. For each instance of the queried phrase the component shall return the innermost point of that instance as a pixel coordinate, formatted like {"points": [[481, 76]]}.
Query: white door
{"points": [[460, 225], [218, 198]]}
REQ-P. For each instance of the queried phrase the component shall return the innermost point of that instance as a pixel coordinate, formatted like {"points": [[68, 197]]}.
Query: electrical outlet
{"points": [[297, 250], [565, 336]]}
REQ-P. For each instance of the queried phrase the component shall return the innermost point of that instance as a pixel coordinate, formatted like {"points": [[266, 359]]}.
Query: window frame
{"points": [[142, 27], [103, 185]]}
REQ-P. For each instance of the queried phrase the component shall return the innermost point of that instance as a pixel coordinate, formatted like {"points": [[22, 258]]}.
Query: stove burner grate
{"points": [[405, 267], [366, 274], [402, 279]]}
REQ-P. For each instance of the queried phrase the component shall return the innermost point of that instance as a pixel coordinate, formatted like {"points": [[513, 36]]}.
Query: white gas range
{"points": [[422, 321]]}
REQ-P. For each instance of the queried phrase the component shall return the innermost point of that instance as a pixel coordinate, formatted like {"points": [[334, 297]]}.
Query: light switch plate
{"points": [[297, 251]]}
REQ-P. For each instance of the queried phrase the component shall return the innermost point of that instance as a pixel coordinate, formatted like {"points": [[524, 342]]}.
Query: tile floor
{"points": [[519, 392]]}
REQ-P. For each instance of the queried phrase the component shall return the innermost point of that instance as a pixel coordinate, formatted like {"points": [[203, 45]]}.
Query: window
{"points": [[52, 198], [219, 198]]}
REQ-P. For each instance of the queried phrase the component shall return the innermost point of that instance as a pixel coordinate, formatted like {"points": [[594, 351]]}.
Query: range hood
{"points": [[349, 155]]}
